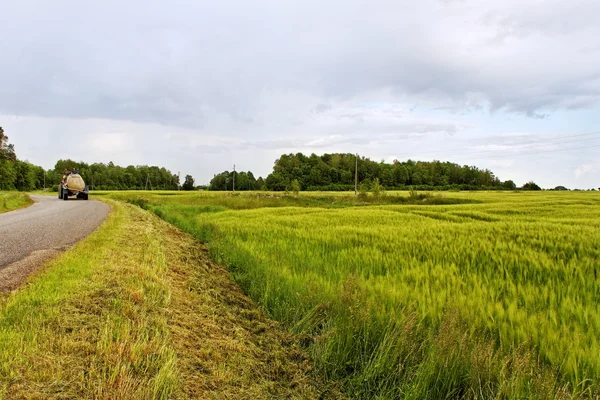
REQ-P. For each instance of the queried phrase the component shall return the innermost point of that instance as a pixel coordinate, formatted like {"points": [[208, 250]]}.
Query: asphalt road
{"points": [[48, 226]]}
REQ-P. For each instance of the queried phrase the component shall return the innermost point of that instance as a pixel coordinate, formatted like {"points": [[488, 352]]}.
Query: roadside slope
{"points": [[10, 201], [136, 310]]}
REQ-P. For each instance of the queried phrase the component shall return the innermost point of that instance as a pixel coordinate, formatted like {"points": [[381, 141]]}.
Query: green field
{"points": [[494, 297], [12, 200]]}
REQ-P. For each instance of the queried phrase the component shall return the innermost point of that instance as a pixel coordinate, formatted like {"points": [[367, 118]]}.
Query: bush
{"points": [[362, 192], [377, 188], [531, 185], [295, 187]]}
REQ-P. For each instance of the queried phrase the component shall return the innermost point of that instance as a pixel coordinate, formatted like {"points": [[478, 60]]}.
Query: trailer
{"points": [[73, 185]]}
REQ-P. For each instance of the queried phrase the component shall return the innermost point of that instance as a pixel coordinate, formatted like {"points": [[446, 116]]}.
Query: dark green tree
{"points": [[531, 185], [7, 159], [276, 181], [509, 185], [188, 184], [7, 150]]}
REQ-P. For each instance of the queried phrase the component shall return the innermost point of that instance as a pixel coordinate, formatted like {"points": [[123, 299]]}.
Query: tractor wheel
{"points": [[86, 196], [65, 196]]}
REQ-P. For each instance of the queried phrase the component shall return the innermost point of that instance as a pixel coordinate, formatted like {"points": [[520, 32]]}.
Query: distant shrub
{"points": [[363, 194], [412, 193], [377, 189], [295, 187], [531, 185]]}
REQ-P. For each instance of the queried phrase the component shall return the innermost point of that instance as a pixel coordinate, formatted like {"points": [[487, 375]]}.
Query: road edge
{"points": [[18, 273]]}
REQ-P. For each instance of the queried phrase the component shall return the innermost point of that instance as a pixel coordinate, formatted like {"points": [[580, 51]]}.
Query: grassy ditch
{"points": [[137, 311], [10, 201]]}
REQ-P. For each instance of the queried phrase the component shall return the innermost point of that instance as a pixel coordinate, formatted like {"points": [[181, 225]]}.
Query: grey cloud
{"points": [[268, 144], [321, 108], [178, 62]]}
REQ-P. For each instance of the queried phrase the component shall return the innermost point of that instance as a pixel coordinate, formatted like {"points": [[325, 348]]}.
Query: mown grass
{"points": [[10, 201], [137, 311], [493, 299]]}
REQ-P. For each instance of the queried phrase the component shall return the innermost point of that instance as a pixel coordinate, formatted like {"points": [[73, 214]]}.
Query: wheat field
{"points": [[494, 297]]}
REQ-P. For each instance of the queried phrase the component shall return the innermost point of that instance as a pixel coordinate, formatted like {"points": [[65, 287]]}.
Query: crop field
{"points": [[413, 296]]}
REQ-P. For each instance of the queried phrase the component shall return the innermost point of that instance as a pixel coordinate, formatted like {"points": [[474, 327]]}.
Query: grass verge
{"points": [[137, 311], [10, 201]]}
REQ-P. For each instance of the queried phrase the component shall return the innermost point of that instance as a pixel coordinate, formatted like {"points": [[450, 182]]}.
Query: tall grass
{"points": [[11, 201], [489, 300]]}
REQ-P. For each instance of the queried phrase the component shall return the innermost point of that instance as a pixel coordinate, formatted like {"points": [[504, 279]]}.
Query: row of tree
{"points": [[14, 173], [109, 176], [327, 172], [337, 172], [22, 175], [227, 180]]}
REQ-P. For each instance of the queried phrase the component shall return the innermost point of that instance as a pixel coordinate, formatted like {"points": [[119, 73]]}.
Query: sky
{"points": [[198, 86]]}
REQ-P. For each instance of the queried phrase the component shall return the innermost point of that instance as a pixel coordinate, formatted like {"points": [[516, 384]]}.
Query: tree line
{"points": [[328, 172], [227, 180], [337, 172], [100, 176], [14, 173], [22, 175]]}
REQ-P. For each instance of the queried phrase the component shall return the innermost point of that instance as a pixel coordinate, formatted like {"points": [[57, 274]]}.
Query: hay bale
{"points": [[75, 182]]}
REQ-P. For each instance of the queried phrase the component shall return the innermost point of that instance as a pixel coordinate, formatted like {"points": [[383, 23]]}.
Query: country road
{"points": [[31, 235]]}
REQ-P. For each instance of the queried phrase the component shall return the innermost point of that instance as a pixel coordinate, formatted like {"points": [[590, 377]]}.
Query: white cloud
{"points": [[502, 163], [109, 142], [586, 169]]}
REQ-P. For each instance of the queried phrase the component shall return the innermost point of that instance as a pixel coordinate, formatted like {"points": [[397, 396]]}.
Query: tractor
{"points": [[73, 185]]}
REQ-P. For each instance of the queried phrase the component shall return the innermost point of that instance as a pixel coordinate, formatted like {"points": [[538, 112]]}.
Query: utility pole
{"points": [[44, 180], [234, 177], [356, 175], [146, 182]]}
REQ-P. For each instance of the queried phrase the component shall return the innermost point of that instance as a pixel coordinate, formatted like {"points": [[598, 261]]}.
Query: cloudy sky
{"points": [[197, 86]]}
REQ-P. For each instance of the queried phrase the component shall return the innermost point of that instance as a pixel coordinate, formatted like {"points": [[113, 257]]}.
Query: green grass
{"points": [[10, 201], [496, 297], [137, 311]]}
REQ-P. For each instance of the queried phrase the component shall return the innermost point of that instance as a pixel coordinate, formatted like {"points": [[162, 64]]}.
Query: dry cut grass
{"points": [[136, 311]]}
